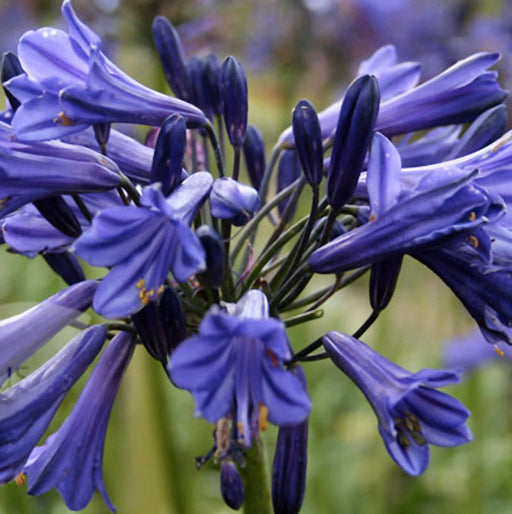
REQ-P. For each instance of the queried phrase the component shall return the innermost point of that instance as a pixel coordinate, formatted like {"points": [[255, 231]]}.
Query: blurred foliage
{"points": [[153, 438]]}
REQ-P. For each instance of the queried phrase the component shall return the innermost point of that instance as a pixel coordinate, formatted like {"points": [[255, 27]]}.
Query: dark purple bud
{"points": [[488, 127], [172, 57], [231, 485], [254, 153], [290, 464], [11, 67], [169, 153], [354, 133], [102, 133], [383, 279], [57, 212], [161, 324], [211, 83], [233, 90], [288, 171], [198, 95], [66, 265], [214, 250], [308, 141]]}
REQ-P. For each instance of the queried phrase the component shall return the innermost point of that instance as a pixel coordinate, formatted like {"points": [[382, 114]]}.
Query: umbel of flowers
{"points": [[212, 303]]}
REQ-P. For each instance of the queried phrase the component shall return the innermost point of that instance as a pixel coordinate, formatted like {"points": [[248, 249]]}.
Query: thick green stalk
{"points": [[254, 474]]}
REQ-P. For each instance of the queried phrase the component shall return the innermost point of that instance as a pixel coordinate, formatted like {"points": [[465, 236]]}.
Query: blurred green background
{"points": [[153, 437]]}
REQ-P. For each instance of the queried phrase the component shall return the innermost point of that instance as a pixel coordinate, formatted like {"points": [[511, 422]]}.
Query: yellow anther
{"points": [[20, 479], [473, 241], [499, 351], [141, 283], [64, 120], [472, 216], [273, 358], [263, 417], [240, 428], [160, 290]]}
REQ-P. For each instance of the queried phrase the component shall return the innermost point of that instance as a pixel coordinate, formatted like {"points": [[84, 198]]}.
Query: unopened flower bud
{"points": [[57, 212], [231, 485], [290, 463], [172, 57], [233, 88], [383, 279], [161, 324], [254, 152], [214, 250], [11, 67], [308, 141], [169, 153], [288, 171], [211, 83], [234, 201], [66, 265], [354, 133]]}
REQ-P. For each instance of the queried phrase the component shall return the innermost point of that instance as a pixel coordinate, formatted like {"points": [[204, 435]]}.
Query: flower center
{"points": [[408, 427]]}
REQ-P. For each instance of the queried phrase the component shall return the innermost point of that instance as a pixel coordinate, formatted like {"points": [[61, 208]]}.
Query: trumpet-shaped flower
{"points": [[142, 244], [440, 205], [71, 459], [410, 411], [32, 171], [19, 340], [457, 95], [235, 365], [70, 84], [28, 407]]}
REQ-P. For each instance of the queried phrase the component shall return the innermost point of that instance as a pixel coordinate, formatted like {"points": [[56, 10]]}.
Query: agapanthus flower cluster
{"points": [[207, 259]]}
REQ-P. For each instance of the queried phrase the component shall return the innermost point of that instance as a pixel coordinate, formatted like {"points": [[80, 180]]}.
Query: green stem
{"points": [[245, 234], [210, 132], [254, 475]]}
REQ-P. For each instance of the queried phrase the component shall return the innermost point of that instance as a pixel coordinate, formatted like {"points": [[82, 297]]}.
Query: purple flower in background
{"points": [[142, 244], [71, 459], [235, 365], [410, 411], [28, 407], [69, 84], [472, 351]]}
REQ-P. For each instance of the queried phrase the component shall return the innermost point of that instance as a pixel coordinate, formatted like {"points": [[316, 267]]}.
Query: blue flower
{"points": [[234, 201], [468, 266], [19, 340], [28, 233], [235, 366], [472, 351], [132, 157], [411, 413], [142, 244], [28, 407], [457, 95], [290, 463], [71, 459], [69, 84], [440, 205], [32, 171]]}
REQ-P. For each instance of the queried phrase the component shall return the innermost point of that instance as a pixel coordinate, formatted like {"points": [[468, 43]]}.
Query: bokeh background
{"points": [[291, 49]]}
